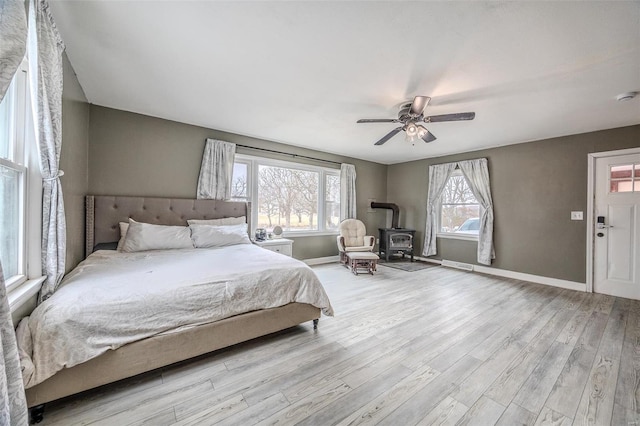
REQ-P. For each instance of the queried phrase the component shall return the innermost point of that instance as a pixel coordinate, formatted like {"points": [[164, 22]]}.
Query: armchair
{"points": [[353, 238]]}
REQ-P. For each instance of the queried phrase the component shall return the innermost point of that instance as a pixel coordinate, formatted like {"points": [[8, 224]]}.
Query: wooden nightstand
{"points": [[279, 245]]}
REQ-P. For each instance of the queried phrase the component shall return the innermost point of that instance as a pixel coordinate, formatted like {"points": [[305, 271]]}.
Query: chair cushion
{"points": [[353, 231], [359, 248], [362, 256]]}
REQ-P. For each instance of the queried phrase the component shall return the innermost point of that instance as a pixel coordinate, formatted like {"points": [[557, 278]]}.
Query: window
{"points": [[240, 181], [459, 210], [297, 197], [332, 201], [625, 178], [13, 180]]}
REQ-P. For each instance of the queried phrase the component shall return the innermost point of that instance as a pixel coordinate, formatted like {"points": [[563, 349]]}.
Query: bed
{"points": [[298, 301]]}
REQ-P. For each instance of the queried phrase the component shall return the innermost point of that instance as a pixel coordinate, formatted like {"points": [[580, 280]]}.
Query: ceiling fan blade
{"points": [[418, 105], [378, 120], [388, 136], [425, 134], [450, 117]]}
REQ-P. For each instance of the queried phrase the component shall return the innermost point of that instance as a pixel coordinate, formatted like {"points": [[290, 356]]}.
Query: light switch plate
{"points": [[576, 215]]}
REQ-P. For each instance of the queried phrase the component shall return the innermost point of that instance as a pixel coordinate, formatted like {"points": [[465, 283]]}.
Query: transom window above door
{"points": [[624, 178]]}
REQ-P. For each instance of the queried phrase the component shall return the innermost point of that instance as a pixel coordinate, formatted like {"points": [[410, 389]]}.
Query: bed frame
{"points": [[102, 216]]}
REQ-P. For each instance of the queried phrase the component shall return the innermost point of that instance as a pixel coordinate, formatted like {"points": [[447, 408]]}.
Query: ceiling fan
{"points": [[410, 115]]}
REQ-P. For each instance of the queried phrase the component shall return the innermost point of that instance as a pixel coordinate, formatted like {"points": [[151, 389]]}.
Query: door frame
{"points": [[591, 193]]}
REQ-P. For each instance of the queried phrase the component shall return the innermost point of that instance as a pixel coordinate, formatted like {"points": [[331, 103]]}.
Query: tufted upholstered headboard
{"points": [[103, 212]]}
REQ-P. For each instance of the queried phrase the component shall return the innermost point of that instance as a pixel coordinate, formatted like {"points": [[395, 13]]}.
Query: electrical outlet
{"points": [[377, 240], [576, 215]]}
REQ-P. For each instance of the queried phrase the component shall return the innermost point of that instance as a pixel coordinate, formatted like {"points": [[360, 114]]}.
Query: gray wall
{"points": [[74, 161], [534, 186], [133, 154]]}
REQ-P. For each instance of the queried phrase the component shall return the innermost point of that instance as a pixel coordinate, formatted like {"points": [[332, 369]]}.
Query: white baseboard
{"points": [[538, 279], [555, 282], [321, 260]]}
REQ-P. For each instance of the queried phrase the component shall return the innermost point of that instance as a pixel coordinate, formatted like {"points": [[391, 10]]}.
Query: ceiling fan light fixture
{"points": [[411, 132], [412, 129], [411, 138]]}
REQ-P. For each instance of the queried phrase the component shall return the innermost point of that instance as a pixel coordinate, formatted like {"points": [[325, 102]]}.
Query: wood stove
{"points": [[394, 240]]}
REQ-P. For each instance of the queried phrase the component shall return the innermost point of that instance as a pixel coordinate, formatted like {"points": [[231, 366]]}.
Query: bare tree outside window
{"points": [[460, 211], [332, 201], [287, 197], [239, 186]]}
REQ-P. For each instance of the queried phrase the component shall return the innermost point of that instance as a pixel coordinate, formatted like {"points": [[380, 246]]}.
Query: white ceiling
{"points": [[302, 73]]}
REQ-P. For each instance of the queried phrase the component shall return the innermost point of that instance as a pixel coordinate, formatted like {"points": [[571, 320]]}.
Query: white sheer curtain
{"points": [[13, 405], [216, 171], [438, 175], [45, 49], [347, 191], [477, 174]]}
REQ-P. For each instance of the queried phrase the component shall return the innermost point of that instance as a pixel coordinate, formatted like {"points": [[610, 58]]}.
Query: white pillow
{"points": [[219, 222], [206, 236], [123, 233], [146, 236]]}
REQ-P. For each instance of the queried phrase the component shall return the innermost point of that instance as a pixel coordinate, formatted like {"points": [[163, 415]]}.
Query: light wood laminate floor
{"points": [[437, 346]]}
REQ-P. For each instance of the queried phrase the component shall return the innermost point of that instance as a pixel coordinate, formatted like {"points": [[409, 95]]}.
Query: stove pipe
{"points": [[389, 206]]}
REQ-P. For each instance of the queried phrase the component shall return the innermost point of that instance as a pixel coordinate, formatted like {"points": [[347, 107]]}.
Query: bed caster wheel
{"points": [[315, 324], [37, 414]]}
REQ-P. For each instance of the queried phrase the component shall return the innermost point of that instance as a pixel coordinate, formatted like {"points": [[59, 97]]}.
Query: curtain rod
{"points": [[288, 153]]}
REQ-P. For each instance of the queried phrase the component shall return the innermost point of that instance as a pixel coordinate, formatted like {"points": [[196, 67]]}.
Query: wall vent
{"points": [[457, 265]]}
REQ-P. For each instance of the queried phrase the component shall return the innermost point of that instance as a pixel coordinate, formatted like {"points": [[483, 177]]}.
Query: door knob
{"points": [[600, 223]]}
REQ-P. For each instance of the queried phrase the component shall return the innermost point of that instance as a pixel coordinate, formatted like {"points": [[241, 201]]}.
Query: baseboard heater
{"points": [[457, 265]]}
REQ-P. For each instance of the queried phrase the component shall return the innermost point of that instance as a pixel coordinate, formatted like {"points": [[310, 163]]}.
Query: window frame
{"points": [[253, 167], [25, 160], [22, 273], [454, 235]]}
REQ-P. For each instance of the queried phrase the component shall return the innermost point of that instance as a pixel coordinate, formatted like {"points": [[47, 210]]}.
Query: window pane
{"points": [[460, 211], [460, 219], [457, 191], [621, 177], [332, 202], [287, 197], [10, 221], [619, 172], [622, 185], [6, 124], [239, 182]]}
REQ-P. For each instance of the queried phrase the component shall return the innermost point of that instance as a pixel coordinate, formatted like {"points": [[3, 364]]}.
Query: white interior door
{"points": [[617, 222]]}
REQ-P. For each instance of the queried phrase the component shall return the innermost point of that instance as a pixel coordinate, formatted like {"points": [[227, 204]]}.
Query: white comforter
{"points": [[113, 298]]}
